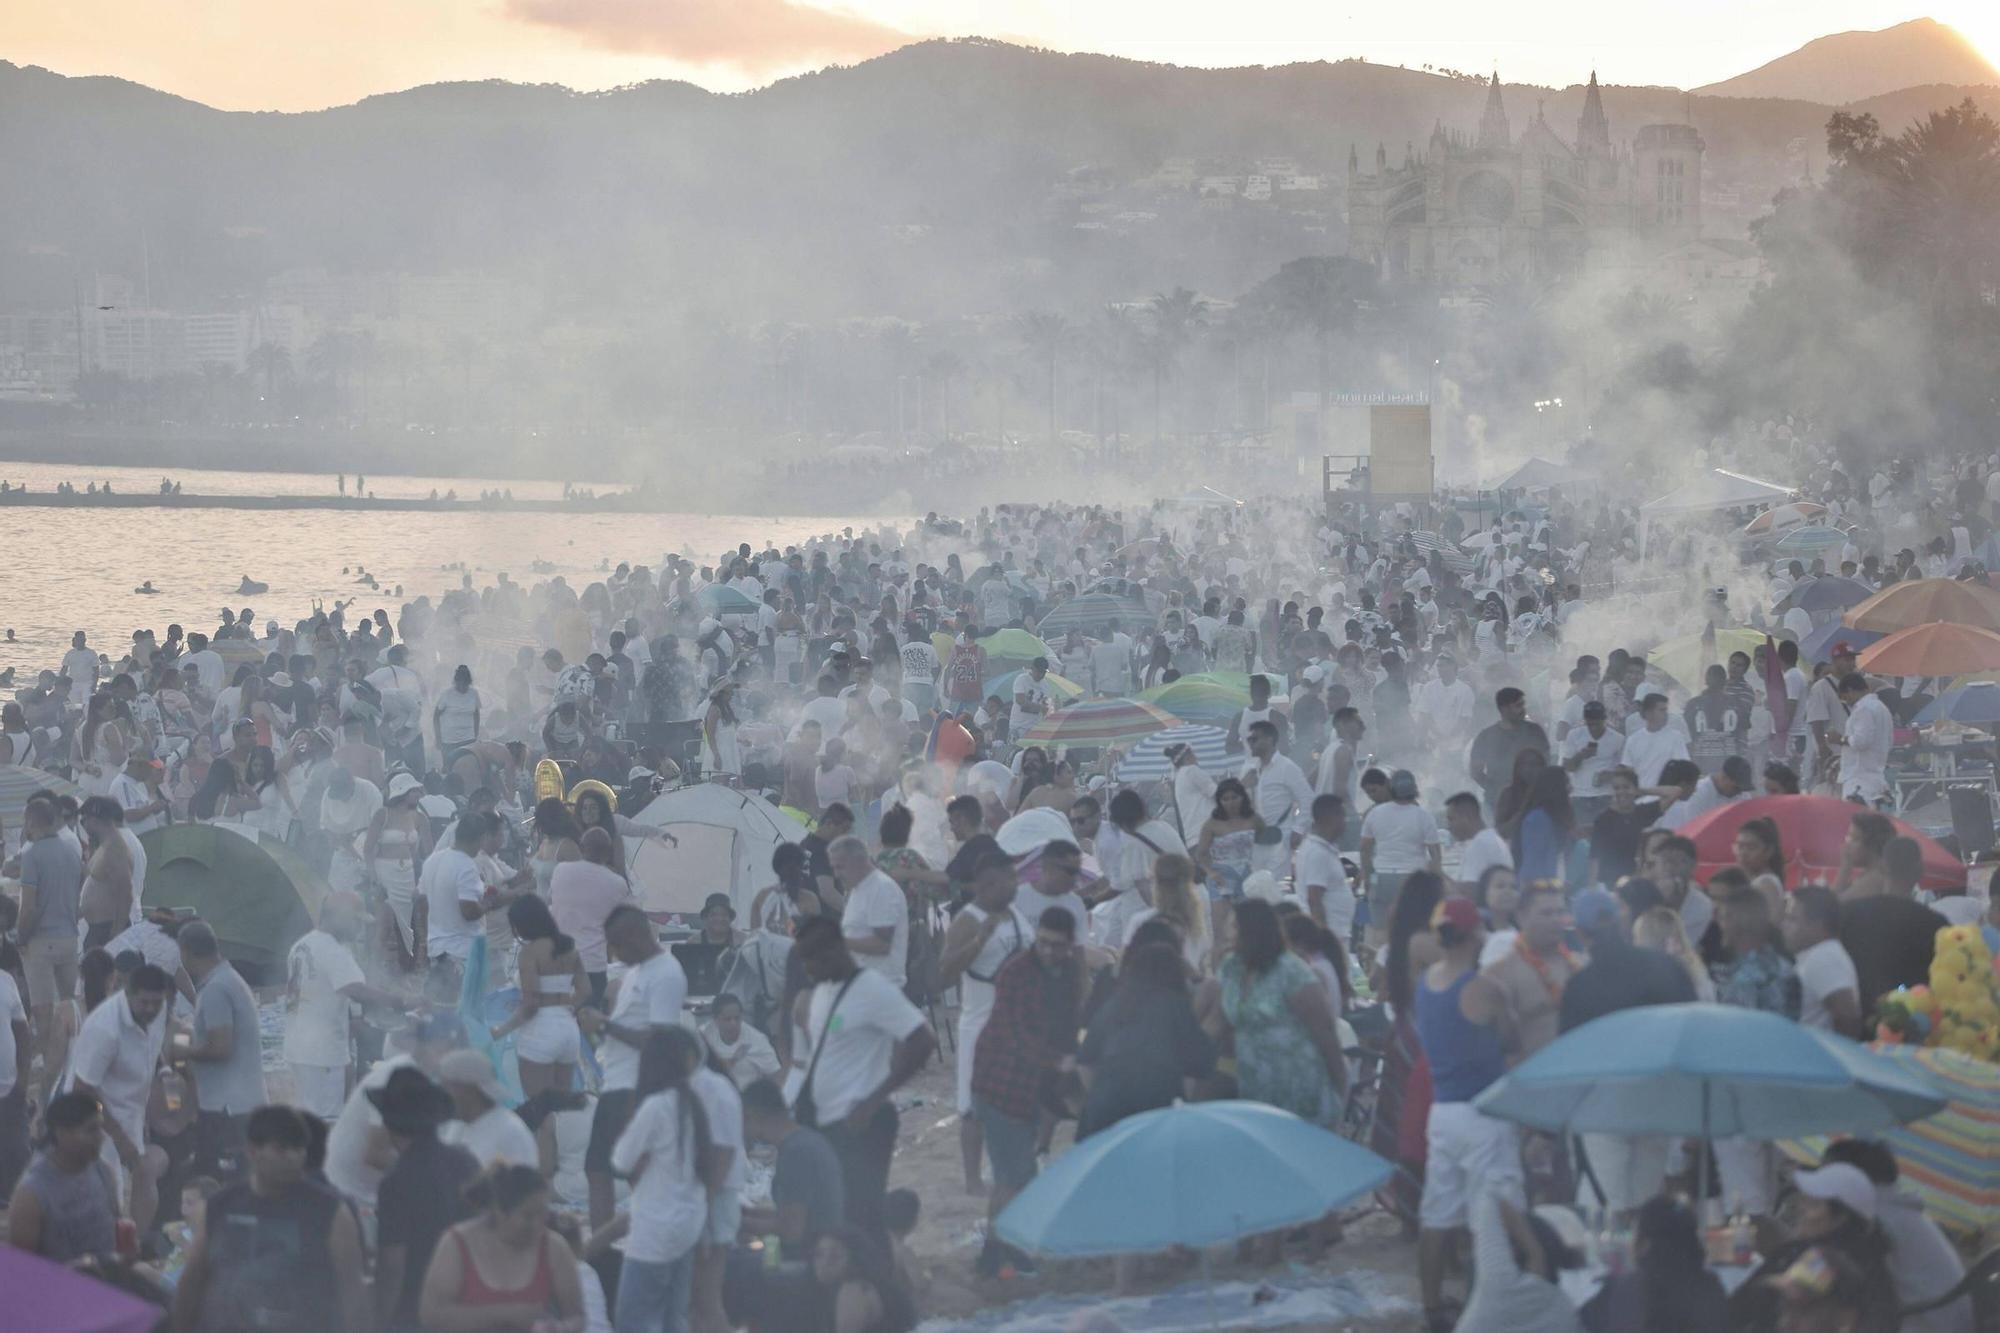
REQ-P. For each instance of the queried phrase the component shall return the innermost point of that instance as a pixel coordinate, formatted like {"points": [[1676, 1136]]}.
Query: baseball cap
{"points": [[1458, 913], [640, 773], [1593, 909], [1840, 1182], [474, 1070]]}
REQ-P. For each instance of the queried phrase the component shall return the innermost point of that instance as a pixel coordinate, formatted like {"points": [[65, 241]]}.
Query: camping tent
{"points": [[726, 838], [1539, 474], [257, 893], [1715, 489]]}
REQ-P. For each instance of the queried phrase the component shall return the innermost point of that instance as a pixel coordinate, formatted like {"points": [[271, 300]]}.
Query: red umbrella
{"points": [[1812, 829]]}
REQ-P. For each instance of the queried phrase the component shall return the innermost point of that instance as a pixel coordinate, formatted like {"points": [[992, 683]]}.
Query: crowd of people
{"points": [[1420, 861]]}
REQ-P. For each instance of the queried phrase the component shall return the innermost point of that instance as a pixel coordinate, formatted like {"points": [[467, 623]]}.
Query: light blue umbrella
{"points": [[1708, 1071], [1147, 761], [718, 600], [1193, 1175], [1977, 704]]}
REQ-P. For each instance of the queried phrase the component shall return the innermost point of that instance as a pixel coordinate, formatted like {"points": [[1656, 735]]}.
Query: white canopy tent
{"points": [[1539, 474], [1715, 489], [726, 838]]}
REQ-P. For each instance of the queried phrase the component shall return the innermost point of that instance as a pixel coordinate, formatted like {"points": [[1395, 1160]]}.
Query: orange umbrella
{"points": [[1933, 650], [1921, 601]]}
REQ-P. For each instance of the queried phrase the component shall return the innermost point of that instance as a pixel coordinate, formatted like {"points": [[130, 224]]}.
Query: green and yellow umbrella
{"points": [[1208, 696]]}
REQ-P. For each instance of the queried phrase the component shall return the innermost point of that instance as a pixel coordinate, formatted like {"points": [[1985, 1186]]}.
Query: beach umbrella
{"points": [[1813, 830], [1194, 1174], [1032, 829], [1099, 724], [718, 600], [1921, 601], [1977, 704], [1013, 645], [55, 1298], [1094, 611], [1202, 697], [1830, 593], [1708, 1071], [1064, 689], [1686, 658], [1951, 1160], [1818, 646], [1781, 518], [1479, 541], [1937, 649], [1810, 540], [1147, 761], [18, 782], [238, 652]]}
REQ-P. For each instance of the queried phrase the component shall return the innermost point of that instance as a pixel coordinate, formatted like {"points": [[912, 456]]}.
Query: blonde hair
{"points": [[1175, 897], [1660, 928]]}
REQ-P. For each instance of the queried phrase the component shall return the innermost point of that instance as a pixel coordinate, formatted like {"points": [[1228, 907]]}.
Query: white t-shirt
{"points": [[724, 1107], [1403, 835], [1610, 753], [116, 1056], [1030, 902], [347, 1168], [457, 714], [318, 968], [12, 1011], [860, 1040], [1449, 708], [131, 794], [876, 903], [1479, 853], [920, 663], [1824, 969], [1318, 862], [497, 1136], [1647, 752], [649, 996], [669, 1206], [451, 877], [1111, 665]]}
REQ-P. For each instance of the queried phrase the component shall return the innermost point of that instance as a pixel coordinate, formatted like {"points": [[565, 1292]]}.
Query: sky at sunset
{"points": [[293, 55]]}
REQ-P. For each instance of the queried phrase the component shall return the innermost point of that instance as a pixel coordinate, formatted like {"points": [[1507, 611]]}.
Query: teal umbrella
{"points": [[1193, 1175], [718, 600], [1810, 540]]}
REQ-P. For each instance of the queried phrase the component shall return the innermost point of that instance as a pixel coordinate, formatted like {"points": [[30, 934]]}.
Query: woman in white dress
{"points": [[719, 753], [99, 752]]}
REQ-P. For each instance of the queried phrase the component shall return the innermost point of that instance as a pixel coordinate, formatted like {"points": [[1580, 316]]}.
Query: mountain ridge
{"points": [[1844, 67]]}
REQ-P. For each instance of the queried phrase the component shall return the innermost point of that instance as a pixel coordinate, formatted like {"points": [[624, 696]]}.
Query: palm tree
{"points": [[1321, 296], [1112, 348], [1176, 316], [1044, 334]]}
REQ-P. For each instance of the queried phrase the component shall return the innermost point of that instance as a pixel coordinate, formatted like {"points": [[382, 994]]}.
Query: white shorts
{"points": [[1630, 1170], [1749, 1175], [1470, 1153], [550, 1038], [969, 1028], [320, 1090]]}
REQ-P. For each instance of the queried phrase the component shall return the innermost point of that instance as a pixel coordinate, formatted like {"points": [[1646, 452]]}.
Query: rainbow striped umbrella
{"points": [[1100, 723], [1094, 611], [1951, 1160], [1207, 696]]}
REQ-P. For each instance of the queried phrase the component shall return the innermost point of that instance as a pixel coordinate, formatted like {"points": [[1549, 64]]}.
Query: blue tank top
{"points": [[1465, 1056]]}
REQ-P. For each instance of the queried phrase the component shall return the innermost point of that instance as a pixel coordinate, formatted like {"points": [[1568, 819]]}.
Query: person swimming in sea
{"points": [[146, 588]]}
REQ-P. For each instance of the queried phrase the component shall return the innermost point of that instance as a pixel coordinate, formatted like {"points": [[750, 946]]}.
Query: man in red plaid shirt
{"points": [[1030, 1036]]}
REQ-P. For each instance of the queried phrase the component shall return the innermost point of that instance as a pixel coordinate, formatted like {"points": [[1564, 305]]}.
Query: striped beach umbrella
{"points": [[1064, 690], [1810, 540], [1208, 696], [1147, 761], [1094, 611], [1951, 1160], [18, 782], [1100, 723]]}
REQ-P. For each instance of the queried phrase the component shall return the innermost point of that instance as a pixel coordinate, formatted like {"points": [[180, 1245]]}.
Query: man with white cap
{"points": [[485, 1127], [1924, 1262]]}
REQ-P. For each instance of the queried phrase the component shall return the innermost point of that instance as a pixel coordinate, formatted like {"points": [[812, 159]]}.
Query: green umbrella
{"points": [[257, 893], [1207, 696], [1014, 645]]}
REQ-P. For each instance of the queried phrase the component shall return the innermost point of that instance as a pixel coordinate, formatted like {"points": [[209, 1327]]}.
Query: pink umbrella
{"points": [[50, 1298]]}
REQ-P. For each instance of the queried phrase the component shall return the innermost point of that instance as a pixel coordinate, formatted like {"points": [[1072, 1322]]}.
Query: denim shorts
{"points": [[1010, 1144]]}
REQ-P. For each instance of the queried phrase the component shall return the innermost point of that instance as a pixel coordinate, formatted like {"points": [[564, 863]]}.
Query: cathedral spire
{"points": [[1593, 131], [1493, 131]]}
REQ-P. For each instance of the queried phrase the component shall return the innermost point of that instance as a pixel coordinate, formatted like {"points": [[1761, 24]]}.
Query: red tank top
{"points": [[472, 1289]]}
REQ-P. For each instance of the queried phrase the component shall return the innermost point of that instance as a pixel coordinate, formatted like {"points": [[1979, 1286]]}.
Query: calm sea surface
{"points": [[62, 570]]}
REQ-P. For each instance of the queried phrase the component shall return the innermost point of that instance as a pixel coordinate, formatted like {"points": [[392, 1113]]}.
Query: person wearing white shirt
{"points": [[1825, 716], [1925, 1262], [80, 664], [1128, 863], [322, 981], [1829, 987], [1194, 790], [867, 1040], [826, 708], [1340, 766], [1870, 731], [668, 1210], [485, 1128], [651, 991], [1318, 875], [744, 1052], [1443, 708], [1111, 663], [876, 917], [1731, 783], [1589, 752], [1479, 848], [113, 1056], [455, 719], [145, 809], [1398, 838], [1647, 750], [454, 892], [1279, 793]]}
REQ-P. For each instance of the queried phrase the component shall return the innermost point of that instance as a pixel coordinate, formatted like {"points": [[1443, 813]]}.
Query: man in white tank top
{"points": [[986, 932]]}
